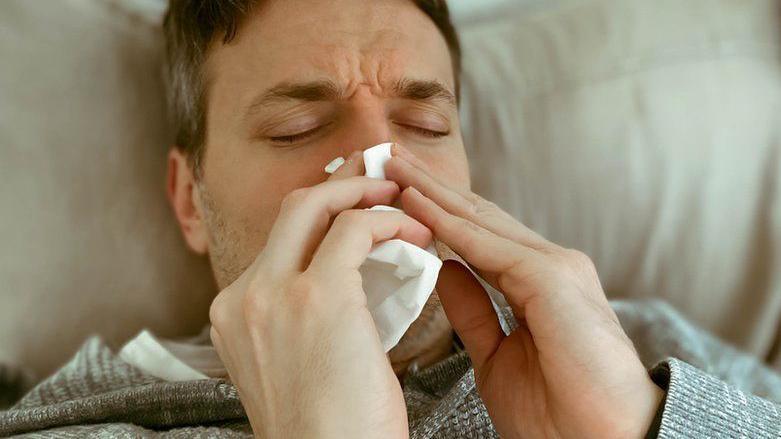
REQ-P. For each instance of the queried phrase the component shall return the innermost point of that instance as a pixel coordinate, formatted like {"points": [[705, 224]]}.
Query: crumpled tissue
{"points": [[398, 277]]}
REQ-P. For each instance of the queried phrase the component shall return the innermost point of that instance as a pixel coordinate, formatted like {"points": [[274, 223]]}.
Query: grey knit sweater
{"points": [[712, 391]]}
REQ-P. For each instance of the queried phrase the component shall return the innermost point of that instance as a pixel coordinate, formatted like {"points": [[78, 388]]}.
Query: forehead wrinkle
{"points": [[420, 90], [377, 63]]}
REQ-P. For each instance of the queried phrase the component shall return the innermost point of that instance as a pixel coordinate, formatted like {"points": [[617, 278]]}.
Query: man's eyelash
{"points": [[424, 132], [295, 137]]}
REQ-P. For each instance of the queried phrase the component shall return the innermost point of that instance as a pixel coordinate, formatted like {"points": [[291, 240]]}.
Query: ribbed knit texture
{"points": [[693, 397], [98, 394]]}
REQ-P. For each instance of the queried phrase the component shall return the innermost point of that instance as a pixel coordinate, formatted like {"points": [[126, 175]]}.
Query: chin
{"points": [[429, 339]]}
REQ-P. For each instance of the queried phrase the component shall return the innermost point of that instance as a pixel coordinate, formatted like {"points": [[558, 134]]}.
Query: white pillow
{"points": [[646, 134], [89, 244]]}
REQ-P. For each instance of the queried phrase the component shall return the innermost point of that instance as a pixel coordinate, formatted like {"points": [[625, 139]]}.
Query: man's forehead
{"points": [[272, 50]]}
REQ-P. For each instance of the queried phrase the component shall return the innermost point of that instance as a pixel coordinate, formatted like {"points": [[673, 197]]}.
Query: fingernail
{"points": [[334, 165]]}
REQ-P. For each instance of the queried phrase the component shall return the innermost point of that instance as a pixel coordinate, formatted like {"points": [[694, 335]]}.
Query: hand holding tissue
{"points": [[398, 277], [568, 336]]}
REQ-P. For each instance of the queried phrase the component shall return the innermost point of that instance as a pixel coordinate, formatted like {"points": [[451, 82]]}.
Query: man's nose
{"points": [[370, 128]]}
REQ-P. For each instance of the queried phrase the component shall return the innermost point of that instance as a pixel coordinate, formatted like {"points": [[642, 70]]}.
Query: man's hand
{"points": [[569, 370], [294, 330]]}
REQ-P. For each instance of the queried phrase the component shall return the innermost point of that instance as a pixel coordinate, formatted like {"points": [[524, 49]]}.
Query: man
{"points": [[265, 94]]}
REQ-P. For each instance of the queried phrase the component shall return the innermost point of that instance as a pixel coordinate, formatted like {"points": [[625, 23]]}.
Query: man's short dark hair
{"points": [[191, 26]]}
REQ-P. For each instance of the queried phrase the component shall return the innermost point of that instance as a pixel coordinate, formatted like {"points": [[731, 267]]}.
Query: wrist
{"points": [[649, 410], [328, 427], [633, 418]]}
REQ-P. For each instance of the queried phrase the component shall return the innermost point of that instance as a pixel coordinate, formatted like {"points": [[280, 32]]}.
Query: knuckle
{"points": [[480, 206], [297, 197], [578, 258], [301, 290], [304, 282], [255, 300], [218, 311], [350, 218], [474, 202], [253, 307], [324, 295], [214, 335], [472, 235], [579, 261], [448, 223], [515, 275], [252, 301], [468, 226]]}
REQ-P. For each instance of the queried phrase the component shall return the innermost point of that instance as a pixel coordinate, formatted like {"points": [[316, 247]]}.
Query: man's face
{"points": [[307, 81]]}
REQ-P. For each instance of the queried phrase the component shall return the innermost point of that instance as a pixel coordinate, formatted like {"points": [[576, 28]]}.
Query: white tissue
{"points": [[398, 277], [374, 160]]}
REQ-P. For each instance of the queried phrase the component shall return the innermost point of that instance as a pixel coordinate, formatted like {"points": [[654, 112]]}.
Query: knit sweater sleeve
{"points": [[700, 405], [712, 389]]}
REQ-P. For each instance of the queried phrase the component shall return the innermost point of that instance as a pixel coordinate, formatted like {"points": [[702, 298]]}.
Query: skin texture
{"points": [[364, 51], [569, 370], [291, 323]]}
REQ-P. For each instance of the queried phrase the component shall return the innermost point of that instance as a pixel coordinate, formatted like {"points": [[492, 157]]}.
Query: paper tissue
{"points": [[398, 277]]}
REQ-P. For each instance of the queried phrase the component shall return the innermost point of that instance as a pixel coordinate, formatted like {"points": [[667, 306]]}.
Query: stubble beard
{"points": [[428, 340]]}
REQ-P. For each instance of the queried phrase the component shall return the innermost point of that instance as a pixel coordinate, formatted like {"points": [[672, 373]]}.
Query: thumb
{"points": [[470, 311]]}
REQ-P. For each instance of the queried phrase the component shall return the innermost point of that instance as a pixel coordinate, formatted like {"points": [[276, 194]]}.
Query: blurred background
{"points": [[645, 134]]}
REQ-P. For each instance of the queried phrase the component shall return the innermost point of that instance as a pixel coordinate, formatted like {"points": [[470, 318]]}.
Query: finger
{"points": [[470, 312], [407, 170], [306, 213], [489, 253], [354, 233], [352, 167]]}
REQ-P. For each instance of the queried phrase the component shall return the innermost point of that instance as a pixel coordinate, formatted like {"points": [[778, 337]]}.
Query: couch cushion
{"points": [[646, 134], [89, 243]]}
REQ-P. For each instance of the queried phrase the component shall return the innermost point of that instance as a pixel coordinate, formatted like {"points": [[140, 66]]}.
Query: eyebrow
{"points": [[424, 90], [318, 91]]}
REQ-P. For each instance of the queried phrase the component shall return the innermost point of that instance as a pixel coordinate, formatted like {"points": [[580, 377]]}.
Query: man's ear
{"points": [[182, 189]]}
